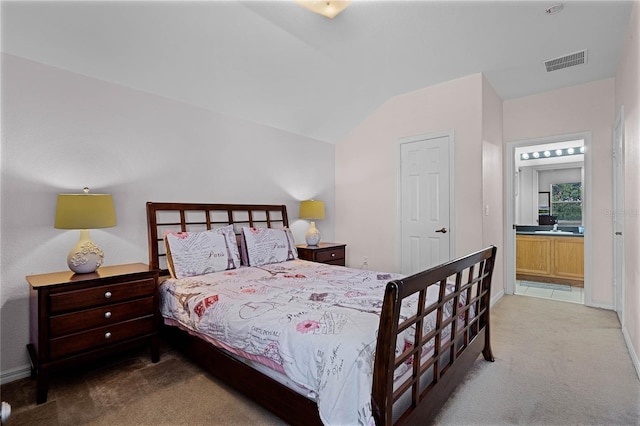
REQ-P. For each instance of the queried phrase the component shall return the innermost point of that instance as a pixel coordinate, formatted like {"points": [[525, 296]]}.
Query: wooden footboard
{"points": [[438, 358]]}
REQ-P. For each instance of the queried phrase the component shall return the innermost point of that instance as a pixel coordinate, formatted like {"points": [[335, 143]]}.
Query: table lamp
{"points": [[84, 212], [312, 209]]}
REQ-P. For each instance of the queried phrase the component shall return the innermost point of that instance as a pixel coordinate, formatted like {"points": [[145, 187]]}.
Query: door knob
{"points": [[443, 230]]}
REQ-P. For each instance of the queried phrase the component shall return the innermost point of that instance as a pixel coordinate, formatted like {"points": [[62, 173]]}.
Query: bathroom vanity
{"points": [[545, 255]]}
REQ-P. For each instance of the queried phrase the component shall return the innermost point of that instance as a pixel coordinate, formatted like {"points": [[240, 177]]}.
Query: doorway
{"points": [[529, 182]]}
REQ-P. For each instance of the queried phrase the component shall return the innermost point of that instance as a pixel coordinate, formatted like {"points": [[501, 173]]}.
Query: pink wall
{"points": [[587, 107], [492, 177], [627, 92], [367, 169]]}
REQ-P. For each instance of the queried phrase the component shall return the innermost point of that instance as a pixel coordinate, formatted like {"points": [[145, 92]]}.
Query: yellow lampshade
{"points": [[311, 209], [85, 211]]}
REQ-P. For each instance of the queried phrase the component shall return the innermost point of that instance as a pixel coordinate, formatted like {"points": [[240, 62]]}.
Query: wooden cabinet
{"points": [[550, 259], [82, 317], [568, 258], [330, 253], [533, 255]]}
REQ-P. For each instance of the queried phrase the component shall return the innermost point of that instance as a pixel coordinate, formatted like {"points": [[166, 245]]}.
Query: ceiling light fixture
{"points": [[554, 153], [326, 8]]}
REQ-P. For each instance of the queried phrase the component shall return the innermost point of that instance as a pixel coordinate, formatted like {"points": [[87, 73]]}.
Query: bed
{"points": [[328, 344]]}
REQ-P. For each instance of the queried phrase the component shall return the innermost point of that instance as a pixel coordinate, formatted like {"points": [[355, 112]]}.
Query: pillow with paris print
{"points": [[197, 253], [261, 246]]}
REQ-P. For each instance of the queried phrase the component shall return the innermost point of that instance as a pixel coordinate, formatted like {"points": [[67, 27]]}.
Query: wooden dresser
{"points": [[331, 253], [82, 317]]}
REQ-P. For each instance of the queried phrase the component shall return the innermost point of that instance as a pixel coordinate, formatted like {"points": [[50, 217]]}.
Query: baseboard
{"points": [[15, 374], [600, 306], [497, 297], [632, 352]]}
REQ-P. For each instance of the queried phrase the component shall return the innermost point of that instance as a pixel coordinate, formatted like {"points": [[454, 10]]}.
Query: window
{"points": [[566, 202]]}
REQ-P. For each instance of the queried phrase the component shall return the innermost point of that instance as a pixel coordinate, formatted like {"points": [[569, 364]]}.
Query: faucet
{"points": [[555, 226]]}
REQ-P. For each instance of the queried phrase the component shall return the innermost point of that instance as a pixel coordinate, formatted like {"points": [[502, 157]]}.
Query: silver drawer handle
{"points": [[333, 255], [107, 335], [107, 295], [107, 314]]}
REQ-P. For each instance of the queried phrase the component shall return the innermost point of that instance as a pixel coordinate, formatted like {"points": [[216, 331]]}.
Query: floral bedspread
{"points": [[317, 323]]}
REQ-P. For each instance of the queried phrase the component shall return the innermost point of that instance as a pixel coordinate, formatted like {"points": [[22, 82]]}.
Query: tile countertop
{"points": [[531, 230]]}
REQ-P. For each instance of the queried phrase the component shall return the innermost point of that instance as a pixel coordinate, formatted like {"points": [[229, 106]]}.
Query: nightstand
{"points": [[82, 317], [331, 253]]}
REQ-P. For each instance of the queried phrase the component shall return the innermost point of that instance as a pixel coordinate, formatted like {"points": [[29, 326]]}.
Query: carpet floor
{"points": [[555, 364]]}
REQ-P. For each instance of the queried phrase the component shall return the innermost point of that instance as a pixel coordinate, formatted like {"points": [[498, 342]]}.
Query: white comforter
{"points": [[316, 323]]}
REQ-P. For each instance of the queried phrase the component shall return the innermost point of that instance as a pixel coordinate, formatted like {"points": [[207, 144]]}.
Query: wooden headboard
{"points": [[183, 217]]}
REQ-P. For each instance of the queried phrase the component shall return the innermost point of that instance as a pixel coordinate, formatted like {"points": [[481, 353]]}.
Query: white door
{"points": [[424, 206], [618, 215]]}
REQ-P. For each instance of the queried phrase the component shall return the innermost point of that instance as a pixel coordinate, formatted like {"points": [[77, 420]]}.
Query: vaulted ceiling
{"points": [[278, 64]]}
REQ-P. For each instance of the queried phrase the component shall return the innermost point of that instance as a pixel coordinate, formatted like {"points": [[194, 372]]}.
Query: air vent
{"points": [[573, 59]]}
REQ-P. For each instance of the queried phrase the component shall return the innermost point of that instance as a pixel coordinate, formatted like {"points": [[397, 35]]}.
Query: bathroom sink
{"points": [[550, 232]]}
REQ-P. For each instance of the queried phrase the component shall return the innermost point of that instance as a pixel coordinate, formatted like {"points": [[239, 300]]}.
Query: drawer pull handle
{"points": [[107, 335], [333, 255], [107, 295], [107, 314]]}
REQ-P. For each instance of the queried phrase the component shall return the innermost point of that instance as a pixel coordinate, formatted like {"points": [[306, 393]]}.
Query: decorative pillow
{"points": [[267, 245], [197, 253]]}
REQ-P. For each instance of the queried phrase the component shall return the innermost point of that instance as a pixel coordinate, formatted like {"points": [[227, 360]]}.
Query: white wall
{"points": [[627, 90], [62, 131], [548, 177], [526, 201], [581, 108]]}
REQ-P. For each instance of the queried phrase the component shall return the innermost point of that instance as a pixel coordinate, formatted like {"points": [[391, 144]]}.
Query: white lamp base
{"points": [[312, 237], [85, 257]]}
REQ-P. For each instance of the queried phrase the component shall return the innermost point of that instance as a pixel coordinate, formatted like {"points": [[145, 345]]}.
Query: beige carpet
{"points": [[196, 407], [556, 364], [131, 390]]}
